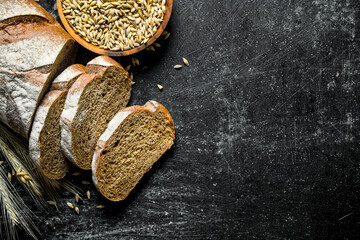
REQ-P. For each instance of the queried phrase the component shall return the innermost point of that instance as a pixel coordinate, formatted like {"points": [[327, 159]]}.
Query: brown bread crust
{"points": [[50, 104], [35, 49]]}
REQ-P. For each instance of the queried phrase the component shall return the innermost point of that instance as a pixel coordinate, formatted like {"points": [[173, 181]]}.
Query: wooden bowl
{"points": [[98, 50]]}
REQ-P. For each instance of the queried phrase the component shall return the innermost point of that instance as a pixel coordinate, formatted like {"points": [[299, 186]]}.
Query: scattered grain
{"points": [[133, 61], [100, 206], [160, 87], [137, 61], [186, 62], [85, 182], [76, 174], [167, 36], [77, 210], [88, 194], [178, 66], [70, 205], [52, 203], [77, 197], [9, 176]]}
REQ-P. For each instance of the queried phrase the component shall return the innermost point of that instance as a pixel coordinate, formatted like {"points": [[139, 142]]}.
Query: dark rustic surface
{"points": [[267, 121]]}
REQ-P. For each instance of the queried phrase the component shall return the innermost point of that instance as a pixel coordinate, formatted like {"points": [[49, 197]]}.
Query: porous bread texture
{"points": [[91, 103], [44, 143], [34, 50], [134, 140]]}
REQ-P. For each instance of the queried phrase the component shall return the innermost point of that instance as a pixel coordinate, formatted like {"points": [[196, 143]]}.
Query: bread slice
{"points": [[91, 103], [134, 140], [34, 50], [44, 142]]}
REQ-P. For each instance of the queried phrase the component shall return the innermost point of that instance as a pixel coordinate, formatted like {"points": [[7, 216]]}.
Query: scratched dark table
{"points": [[267, 128]]}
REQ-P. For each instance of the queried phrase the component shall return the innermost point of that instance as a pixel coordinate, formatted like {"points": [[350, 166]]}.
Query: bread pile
{"points": [[77, 115]]}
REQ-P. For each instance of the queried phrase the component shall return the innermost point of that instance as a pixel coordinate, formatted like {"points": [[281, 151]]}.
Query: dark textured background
{"points": [[267, 124]]}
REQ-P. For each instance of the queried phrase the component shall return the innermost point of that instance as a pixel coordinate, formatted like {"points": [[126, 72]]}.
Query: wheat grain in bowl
{"points": [[115, 24]]}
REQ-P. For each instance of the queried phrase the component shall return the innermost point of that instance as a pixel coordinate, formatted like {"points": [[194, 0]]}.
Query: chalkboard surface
{"points": [[267, 128]]}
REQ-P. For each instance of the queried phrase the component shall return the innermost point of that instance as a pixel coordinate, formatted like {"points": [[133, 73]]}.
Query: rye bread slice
{"points": [[91, 103], [44, 143], [134, 140], [34, 50]]}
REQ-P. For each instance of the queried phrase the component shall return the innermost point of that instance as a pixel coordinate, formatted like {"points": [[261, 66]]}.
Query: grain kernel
{"points": [[186, 62]]}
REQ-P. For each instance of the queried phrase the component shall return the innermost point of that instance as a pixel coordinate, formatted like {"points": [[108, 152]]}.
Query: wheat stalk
{"points": [[16, 152], [14, 211], [31, 185]]}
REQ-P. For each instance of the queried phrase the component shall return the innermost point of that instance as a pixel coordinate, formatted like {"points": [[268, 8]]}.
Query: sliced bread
{"points": [[34, 50], [44, 143], [134, 140], [91, 103]]}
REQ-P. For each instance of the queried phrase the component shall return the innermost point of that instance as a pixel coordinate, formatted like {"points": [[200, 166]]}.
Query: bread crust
{"points": [[94, 69], [34, 50], [67, 78], [39, 122], [16, 8], [58, 88], [119, 118]]}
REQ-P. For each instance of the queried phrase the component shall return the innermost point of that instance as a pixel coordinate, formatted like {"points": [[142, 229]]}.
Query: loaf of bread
{"points": [[34, 50], [44, 143], [91, 103], [133, 141]]}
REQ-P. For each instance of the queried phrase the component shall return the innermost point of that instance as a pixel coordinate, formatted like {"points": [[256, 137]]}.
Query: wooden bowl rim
{"points": [[98, 50]]}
